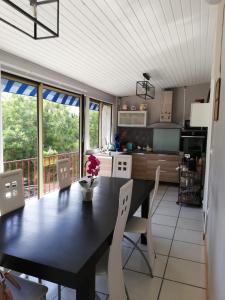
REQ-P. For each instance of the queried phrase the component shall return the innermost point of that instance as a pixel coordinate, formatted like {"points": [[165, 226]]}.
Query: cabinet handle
{"points": [[161, 159]]}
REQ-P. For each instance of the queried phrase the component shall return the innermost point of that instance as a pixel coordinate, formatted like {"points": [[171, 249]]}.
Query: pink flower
{"points": [[93, 165]]}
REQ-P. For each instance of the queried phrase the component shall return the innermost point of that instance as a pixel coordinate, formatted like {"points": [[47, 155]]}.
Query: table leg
{"points": [[144, 214], [86, 289]]}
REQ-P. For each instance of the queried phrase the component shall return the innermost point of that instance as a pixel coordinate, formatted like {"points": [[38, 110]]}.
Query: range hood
{"points": [[166, 125], [166, 113]]}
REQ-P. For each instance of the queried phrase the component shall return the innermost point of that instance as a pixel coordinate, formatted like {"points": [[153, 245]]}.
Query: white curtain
{"points": [[106, 124]]}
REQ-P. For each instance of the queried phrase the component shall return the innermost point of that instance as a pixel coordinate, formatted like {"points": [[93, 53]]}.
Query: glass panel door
{"points": [[19, 118], [61, 134]]}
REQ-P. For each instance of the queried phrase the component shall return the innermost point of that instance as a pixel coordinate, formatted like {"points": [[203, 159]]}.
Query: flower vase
{"points": [[87, 193], [87, 186]]}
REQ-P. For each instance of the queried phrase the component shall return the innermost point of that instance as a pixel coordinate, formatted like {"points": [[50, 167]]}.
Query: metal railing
{"points": [[30, 175]]}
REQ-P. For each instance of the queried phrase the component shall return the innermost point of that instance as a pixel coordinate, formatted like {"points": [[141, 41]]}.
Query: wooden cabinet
{"points": [[105, 165], [144, 167], [132, 118], [166, 109], [139, 170]]}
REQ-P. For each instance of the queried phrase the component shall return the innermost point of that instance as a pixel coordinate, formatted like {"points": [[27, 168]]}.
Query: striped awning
{"points": [[15, 87], [94, 106], [20, 88]]}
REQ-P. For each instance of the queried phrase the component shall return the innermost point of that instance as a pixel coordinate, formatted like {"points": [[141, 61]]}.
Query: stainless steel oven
{"points": [[193, 141]]}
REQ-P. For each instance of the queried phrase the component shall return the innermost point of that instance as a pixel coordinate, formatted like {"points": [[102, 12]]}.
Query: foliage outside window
{"points": [[94, 128], [60, 127]]}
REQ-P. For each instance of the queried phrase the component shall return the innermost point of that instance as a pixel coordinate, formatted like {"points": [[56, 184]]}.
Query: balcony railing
{"points": [[30, 175]]}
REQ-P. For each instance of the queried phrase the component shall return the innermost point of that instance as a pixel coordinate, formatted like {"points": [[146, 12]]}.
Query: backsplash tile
{"points": [[138, 136]]}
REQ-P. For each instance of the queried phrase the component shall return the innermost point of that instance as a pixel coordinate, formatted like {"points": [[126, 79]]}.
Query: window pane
{"points": [[94, 125], [106, 124], [20, 131], [61, 135]]}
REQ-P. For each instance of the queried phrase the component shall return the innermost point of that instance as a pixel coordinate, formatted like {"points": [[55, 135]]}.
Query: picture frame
{"points": [[217, 100]]}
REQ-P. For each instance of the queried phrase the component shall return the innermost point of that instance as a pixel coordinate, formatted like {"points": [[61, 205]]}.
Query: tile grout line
{"points": [[159, 201], [168, 256], [194, 261], [156, 276]]}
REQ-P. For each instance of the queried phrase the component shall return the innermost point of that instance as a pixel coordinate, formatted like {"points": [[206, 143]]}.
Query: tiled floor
{"points": [[180, 270]]}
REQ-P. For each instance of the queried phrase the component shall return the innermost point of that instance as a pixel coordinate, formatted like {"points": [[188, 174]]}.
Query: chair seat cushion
{"points": [[29, 290], [136, 225]]}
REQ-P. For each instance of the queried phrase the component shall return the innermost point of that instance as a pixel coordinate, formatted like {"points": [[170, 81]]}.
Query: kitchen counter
{"points": [[113, 153], [154, 152]]}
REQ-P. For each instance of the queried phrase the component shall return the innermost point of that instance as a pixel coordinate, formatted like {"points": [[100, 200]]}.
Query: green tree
{"points": [[94, 129], [60, 127], [19, 127]]}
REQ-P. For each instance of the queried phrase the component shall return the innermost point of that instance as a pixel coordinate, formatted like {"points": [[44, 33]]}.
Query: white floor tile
{"points": [[191, 213], [70, 294], [138, 213], [171, 198], [163, 231], [189, 236], [126, 251], [164, 220], [134, 236], [188, 251], [137, 263], [101, 284], [172, 187], [177, 291], [170, 204], [168, 211], [141, 286], [186, 271], [161, 245], [67, 294], [52, 289], [190, 224], [173, 194]]}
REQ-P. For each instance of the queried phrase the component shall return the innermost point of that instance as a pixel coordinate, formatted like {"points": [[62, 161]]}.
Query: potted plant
{"points": [[92, 166]]}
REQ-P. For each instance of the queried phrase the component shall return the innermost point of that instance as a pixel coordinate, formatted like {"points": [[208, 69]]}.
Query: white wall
{"points": [[216, 186], [27, 69], [22, 67], [192, 93], [154, 106]]}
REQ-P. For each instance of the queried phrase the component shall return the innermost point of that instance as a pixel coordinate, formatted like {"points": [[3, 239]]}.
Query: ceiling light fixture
{"points": [[144, 88], [38, 27]]}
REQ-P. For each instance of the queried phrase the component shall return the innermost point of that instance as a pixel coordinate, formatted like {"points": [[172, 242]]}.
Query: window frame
{"points": [[40, 86], [101, 103]]}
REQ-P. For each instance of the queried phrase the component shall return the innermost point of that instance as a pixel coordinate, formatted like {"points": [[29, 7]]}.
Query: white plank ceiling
{"points": [[108, 44]]}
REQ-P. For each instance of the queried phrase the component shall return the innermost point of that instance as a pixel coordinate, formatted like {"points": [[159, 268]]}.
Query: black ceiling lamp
{"points": [[145, 89], [38, 27]]}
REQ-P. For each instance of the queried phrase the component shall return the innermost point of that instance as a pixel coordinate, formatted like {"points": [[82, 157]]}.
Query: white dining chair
{"points": [[25, 289], [11, 191], [12, 198], [122, 166], [111, 262], [143, 226], [63, 173]]}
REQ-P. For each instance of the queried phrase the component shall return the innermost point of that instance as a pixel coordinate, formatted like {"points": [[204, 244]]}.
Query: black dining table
{"points": [[60, 237]]}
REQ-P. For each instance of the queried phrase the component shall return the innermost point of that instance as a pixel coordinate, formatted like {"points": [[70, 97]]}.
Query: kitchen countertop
{"points": [[141, 152], [154, 152]]}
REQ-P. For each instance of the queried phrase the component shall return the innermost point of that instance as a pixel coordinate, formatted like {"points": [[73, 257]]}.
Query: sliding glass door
{"points": [[19, 121], [61, 134]]}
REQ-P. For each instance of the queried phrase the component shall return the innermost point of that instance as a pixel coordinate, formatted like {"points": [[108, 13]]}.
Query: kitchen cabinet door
{"points": [[139, 167]]}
